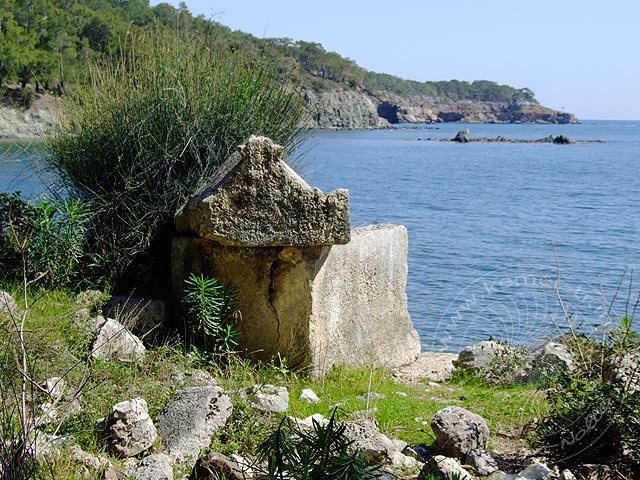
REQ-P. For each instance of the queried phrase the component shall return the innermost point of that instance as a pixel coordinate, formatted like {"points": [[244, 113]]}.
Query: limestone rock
{"points": [[627, 373], [154, 467], [496, 362], [8, 305], [482, 462], [400, 460], [535, 471], [436, 366], [128, 430], [188, 422], [309, 396], [195, 378], [258, 200], [367, 439], [92, 464], [459, 432], [359, 309], [444, 467], [552, 359], [307, 423], [215, 465], [480, 357], [55, 387], [342, 109], [116, 342], [267, 398], [143, 316]]}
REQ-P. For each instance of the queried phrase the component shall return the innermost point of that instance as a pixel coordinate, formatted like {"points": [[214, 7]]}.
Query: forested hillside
{"points": [[45, 42]]}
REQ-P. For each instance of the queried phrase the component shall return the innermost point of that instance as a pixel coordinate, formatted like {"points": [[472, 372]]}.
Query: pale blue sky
{"points": [[576, 55]]}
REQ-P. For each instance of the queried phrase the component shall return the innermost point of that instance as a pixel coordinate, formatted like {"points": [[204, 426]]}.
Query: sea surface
{"points": [[483, 219]]}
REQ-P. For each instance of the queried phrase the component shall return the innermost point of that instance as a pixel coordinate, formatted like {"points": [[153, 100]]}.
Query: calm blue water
{"points": [[482, 218]]}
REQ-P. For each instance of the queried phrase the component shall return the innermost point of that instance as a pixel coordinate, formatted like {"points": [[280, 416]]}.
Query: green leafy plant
{"points": [[48, 236], [321, 452], [211, 309]]}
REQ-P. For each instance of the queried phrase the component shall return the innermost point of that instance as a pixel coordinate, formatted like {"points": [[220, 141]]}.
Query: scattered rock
{"points": [[627, 373], [482, 462], [400, 460], [215, 465], [195, 378], [115, 342], [567, 475], [552, 359], [55, 387], [188, 422], [128, 430], [562, 140], [267, 398], [309, 396], [496, 362], [462, 136], [535, 471], [368, 440], [8, 305], [92, 464], [459, 432], [307, 423], [436, 366], [444, 467], [142, 316], [154, 467]]}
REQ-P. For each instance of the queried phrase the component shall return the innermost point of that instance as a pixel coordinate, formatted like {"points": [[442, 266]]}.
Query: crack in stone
{"points": [[272, 293]]}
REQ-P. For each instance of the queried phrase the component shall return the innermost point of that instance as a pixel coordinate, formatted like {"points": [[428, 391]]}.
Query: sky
{"points": [[578, 56]]}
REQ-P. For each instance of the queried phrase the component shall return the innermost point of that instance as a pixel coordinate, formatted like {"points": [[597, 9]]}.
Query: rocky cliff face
{"points": [[342, 109], [351, 109], [333, 109], [25, 123]]}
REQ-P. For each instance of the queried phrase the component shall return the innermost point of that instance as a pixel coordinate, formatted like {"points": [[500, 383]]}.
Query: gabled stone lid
{"points": [[257, 200]]}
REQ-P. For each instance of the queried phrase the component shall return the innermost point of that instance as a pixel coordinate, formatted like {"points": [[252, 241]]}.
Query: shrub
{"points": [[43, 240], [152, 130], [594, 410], [318, 453], [211, 308]]}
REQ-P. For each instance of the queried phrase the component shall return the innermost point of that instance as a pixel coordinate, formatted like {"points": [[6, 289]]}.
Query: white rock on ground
{"points": [[459, 432], [367, 439], [445, 467], [188, 422], [128, 430], [267, 398], [309, 396], [115, 342], [154, 467]]}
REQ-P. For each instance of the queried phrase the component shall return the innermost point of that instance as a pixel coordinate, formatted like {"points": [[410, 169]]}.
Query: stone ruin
{"points": [[311, 289]]}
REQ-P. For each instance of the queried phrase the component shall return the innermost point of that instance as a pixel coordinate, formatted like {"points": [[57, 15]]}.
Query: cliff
{"points": [[337, 109], [350, 109]]}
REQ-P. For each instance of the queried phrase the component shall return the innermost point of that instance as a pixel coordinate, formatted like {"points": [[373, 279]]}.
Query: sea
{"points": [[517, 242]]}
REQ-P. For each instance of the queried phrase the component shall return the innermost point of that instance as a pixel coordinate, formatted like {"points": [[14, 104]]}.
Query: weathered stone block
{"points": [[316, 306], [258, 200]]}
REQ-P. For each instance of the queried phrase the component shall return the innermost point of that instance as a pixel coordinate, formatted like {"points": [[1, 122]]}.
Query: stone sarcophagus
{"points": [[311, 289]]}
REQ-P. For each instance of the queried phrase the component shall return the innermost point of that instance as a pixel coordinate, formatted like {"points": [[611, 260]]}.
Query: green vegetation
{"points": [[148, 133], [59, 337], [322, 452], [211, 310], [46, 43]]}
